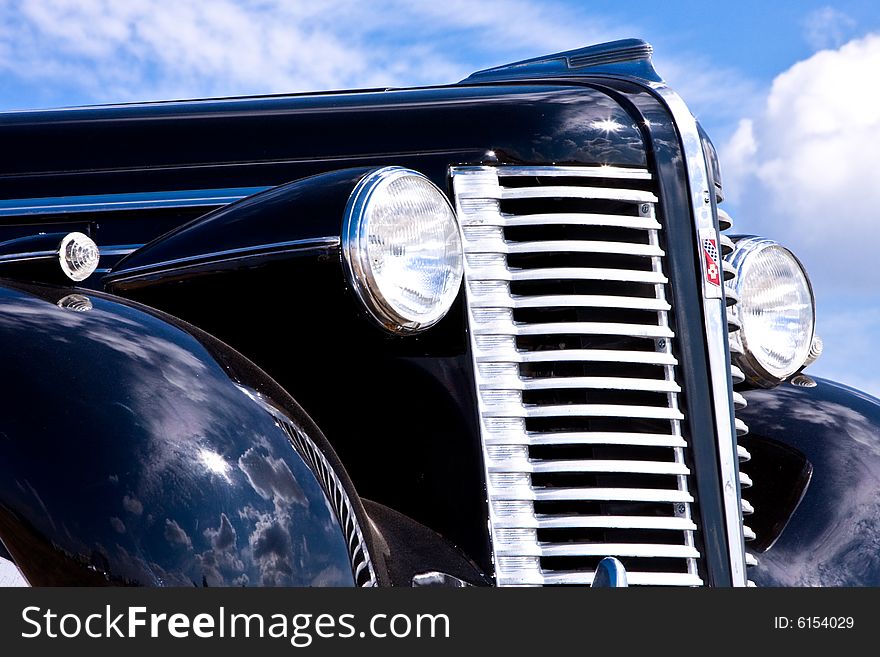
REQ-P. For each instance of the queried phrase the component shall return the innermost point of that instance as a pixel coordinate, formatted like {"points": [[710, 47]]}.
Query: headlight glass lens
{"points": [[776, 309], [403, 249]]}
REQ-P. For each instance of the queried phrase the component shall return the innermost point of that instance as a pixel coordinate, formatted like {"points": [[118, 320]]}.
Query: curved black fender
{"points": [[833, 536], [137, 450]]}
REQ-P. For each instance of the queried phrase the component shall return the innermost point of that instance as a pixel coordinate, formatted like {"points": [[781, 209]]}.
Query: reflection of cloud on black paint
{"points": [[841, 547], [175, 534], [221, 564], [331, 576], [118, 525], [271, 477], [270, 541], [132, 505], [170, 578], [271, 547], [223, 537]]}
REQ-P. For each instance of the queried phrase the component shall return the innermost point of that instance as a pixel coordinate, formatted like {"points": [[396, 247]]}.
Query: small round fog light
{"points": [[78, 256]]}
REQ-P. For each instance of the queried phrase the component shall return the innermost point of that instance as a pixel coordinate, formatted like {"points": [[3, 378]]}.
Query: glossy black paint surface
{"points": [[832, 538], [406, 549], [783, 474], [273, 140], [135, 450], [399, 411], [331, 357], [281, 220]]}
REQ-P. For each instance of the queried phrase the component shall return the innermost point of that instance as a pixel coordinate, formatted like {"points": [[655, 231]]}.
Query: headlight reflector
{"points": [[776, 309], [402, 249]]}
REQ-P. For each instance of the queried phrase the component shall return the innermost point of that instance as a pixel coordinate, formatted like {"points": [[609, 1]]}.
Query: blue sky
{"points": [[788, 90]]}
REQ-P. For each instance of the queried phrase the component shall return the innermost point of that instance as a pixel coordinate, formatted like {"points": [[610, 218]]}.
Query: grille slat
{"points": [[561, 301], [484, 242], [574, 219], [585, 438], [591, 193], [597, 522], [576, 374], [525, 491], [653, 550], [489, 273], [645, 467], [584, 410], [579, 355], [634, 579], [584, 382], [565, 172]]}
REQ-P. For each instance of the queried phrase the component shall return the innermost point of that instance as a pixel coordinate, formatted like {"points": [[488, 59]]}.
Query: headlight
{"points": [[776, 309], [402, 249]]}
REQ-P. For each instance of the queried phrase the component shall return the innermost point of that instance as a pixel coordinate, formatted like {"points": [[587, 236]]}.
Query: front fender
{"points": [[137, 450], [833, 537]]}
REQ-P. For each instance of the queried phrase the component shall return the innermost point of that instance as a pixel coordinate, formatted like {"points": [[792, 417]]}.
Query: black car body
{"points": [[217, 405]]}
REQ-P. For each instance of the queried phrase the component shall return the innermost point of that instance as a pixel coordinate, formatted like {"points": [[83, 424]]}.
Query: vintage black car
{"points": [[472, 334]]}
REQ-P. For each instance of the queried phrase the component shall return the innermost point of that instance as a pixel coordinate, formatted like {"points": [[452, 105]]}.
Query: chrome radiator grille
{"points": [[576, 374]]}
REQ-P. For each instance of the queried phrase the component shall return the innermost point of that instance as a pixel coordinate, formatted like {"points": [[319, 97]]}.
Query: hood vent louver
{"points": [[624, 57]]}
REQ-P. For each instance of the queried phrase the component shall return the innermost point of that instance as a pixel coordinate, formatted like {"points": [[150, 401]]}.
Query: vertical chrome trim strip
{"points": [[714, 313]]}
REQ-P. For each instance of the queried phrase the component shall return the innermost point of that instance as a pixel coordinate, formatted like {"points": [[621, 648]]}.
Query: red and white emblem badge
{"points": [[713, 263]]}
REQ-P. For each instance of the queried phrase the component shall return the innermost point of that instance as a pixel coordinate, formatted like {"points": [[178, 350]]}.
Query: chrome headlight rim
{"points": [[358, 272], [756, 371]]}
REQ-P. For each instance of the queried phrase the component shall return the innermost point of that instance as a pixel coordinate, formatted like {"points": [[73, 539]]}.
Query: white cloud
{"points": [[84, 51], [827, 27], [804, 168], [141, 49], [707, 88]]}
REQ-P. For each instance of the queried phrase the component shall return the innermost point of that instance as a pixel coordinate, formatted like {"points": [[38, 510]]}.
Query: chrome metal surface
{"points": [[739, 402], [183, 198], [610, 573], [435, 578], [31, 255], [716, 324], [576, 378], [358, 267], [816, 348], [744, 356]]}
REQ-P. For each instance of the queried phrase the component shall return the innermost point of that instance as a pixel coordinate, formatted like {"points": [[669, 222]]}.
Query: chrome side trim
{"points": [[32, 255], [113, 250], [226, 255], [118, 249], [715, 319], [19, 207]]}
